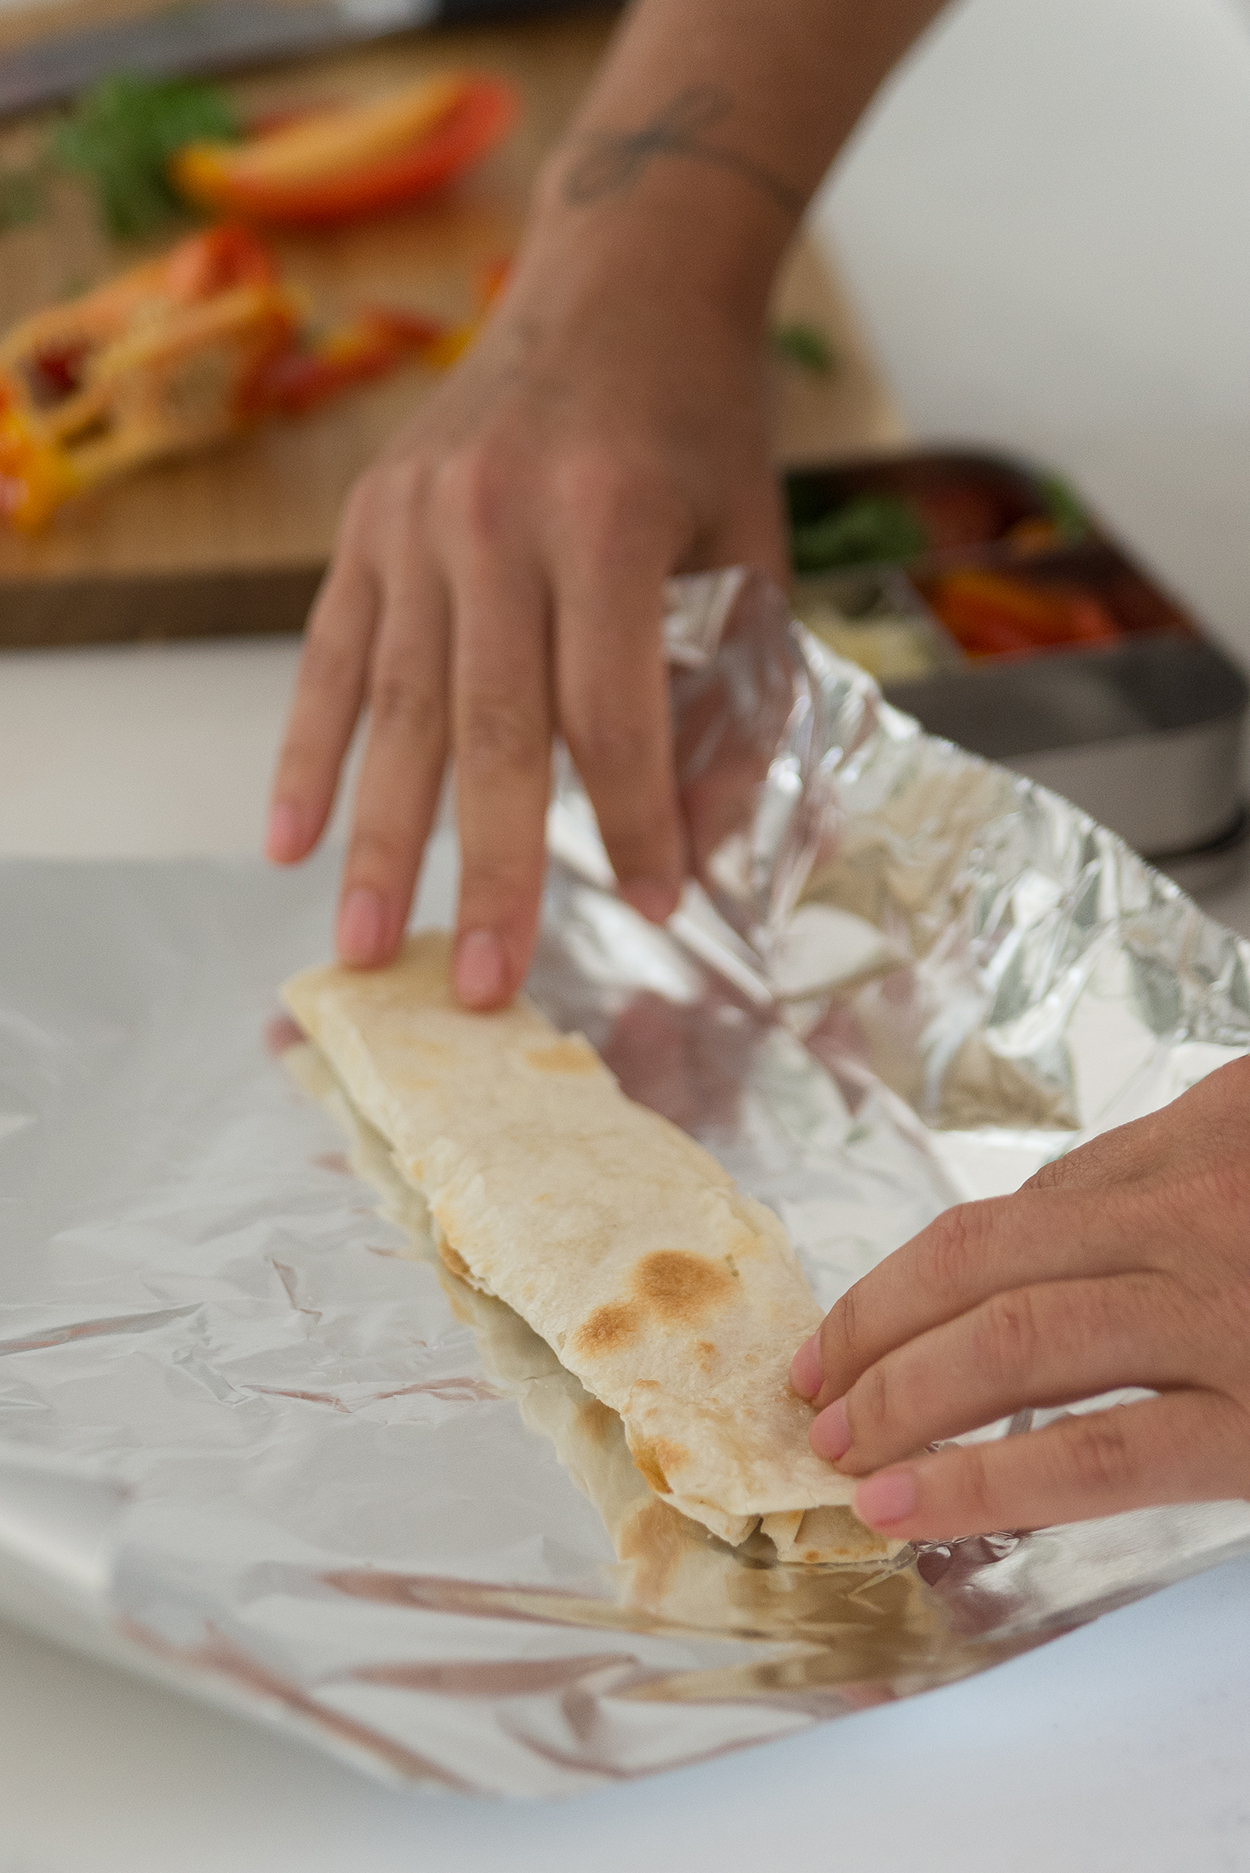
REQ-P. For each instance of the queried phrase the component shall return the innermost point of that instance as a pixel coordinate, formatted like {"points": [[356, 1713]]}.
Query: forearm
{"points": [[708, 128]]}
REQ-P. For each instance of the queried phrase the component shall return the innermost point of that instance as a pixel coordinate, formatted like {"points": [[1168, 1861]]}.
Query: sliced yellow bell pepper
{"points": [[175, 355]]}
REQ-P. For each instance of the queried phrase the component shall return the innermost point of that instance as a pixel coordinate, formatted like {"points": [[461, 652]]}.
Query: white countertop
{"points": [[1048, 222]]}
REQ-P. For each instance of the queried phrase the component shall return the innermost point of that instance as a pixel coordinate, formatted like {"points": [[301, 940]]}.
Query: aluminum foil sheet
{"points": [[254, 1443]]}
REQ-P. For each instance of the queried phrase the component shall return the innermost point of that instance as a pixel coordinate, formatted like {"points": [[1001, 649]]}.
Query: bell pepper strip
{"points": [[35, 476], [992, 615], [371, 344], [492, 278], [353, 160], [1036, 534], [173, 356], [154, 362]]}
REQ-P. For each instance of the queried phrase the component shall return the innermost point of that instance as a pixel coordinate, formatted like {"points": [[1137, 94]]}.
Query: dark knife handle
{"points": [[209, 36]]}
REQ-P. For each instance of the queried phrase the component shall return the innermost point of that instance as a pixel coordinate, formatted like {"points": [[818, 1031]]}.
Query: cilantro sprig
{"points": [[122, 133]]}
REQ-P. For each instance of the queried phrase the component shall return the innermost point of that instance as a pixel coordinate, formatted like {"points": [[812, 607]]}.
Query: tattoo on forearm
{"points": [[614, 161]]}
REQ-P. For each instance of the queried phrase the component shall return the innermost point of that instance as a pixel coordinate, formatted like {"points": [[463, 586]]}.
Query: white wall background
{"points": [[1046, 219]]}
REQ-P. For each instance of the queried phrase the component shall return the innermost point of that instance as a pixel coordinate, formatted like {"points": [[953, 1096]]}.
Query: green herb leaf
{"points": [[804, 345], [869, 529], [1063, 504], [122, 134]]}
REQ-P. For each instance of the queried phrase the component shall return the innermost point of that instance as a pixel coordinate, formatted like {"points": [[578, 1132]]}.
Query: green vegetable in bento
{"points": [[1063, 505], [869, 529], [122, 133]]}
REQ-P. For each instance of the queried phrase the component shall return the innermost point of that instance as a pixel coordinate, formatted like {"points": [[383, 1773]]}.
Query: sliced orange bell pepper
{"points": [[356, 159]]}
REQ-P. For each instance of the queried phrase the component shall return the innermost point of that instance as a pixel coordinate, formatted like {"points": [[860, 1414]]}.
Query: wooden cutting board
{"points": [[235, 541]]}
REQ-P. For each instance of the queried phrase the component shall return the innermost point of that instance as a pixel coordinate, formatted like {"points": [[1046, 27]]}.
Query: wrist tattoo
{"points": [[614, 161]]}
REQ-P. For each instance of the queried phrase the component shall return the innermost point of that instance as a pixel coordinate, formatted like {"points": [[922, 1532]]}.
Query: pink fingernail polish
{"points": [[887, 1498], [479, 969], [805, 1372], [830, 1435], [282, 836], [361, 927], [651, 898]]}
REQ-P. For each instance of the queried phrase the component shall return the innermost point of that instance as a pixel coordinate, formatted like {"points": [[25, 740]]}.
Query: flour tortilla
{"points": [[674, 1298], [666, 1568]]}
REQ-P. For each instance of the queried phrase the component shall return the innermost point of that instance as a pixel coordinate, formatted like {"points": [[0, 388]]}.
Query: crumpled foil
{"points": [[253, 1442]]}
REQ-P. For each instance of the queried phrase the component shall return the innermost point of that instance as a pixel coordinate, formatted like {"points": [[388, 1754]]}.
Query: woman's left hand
{"points": [[1126, 1263]]}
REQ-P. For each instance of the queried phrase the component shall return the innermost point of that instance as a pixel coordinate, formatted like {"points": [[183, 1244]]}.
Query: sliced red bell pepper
{"points": [[335, 165], [372, 344], [993, 615], [216, 260]]}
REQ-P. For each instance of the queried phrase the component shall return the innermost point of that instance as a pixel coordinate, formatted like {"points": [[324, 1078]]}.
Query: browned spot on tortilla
{"points": [[651, 1459], [680, 1286], [598, 1420], [705, 1352], [571, 1056], [450, 1259], [646, 1464], [607, 1328]]}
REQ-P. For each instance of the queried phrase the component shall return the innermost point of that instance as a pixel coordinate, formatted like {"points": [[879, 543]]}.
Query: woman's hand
{"points": [[1126, 1263], [498, 580], [498, 576]]}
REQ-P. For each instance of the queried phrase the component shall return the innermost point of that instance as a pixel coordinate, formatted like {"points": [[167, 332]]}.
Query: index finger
{"points": [[970, 1253]]}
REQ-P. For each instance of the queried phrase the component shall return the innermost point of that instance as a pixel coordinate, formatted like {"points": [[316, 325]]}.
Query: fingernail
{"points": [[830, 1435], [282, 837], [805, 1369], [883, 1500], [479, 969], [361, 924], [651, 898]]}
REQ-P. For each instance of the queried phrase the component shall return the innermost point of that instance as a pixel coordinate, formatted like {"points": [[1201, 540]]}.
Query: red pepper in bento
{"points": [[991, 615]]}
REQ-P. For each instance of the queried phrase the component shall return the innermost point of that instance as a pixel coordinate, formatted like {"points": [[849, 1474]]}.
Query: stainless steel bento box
{"points": [[995, 608]]}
